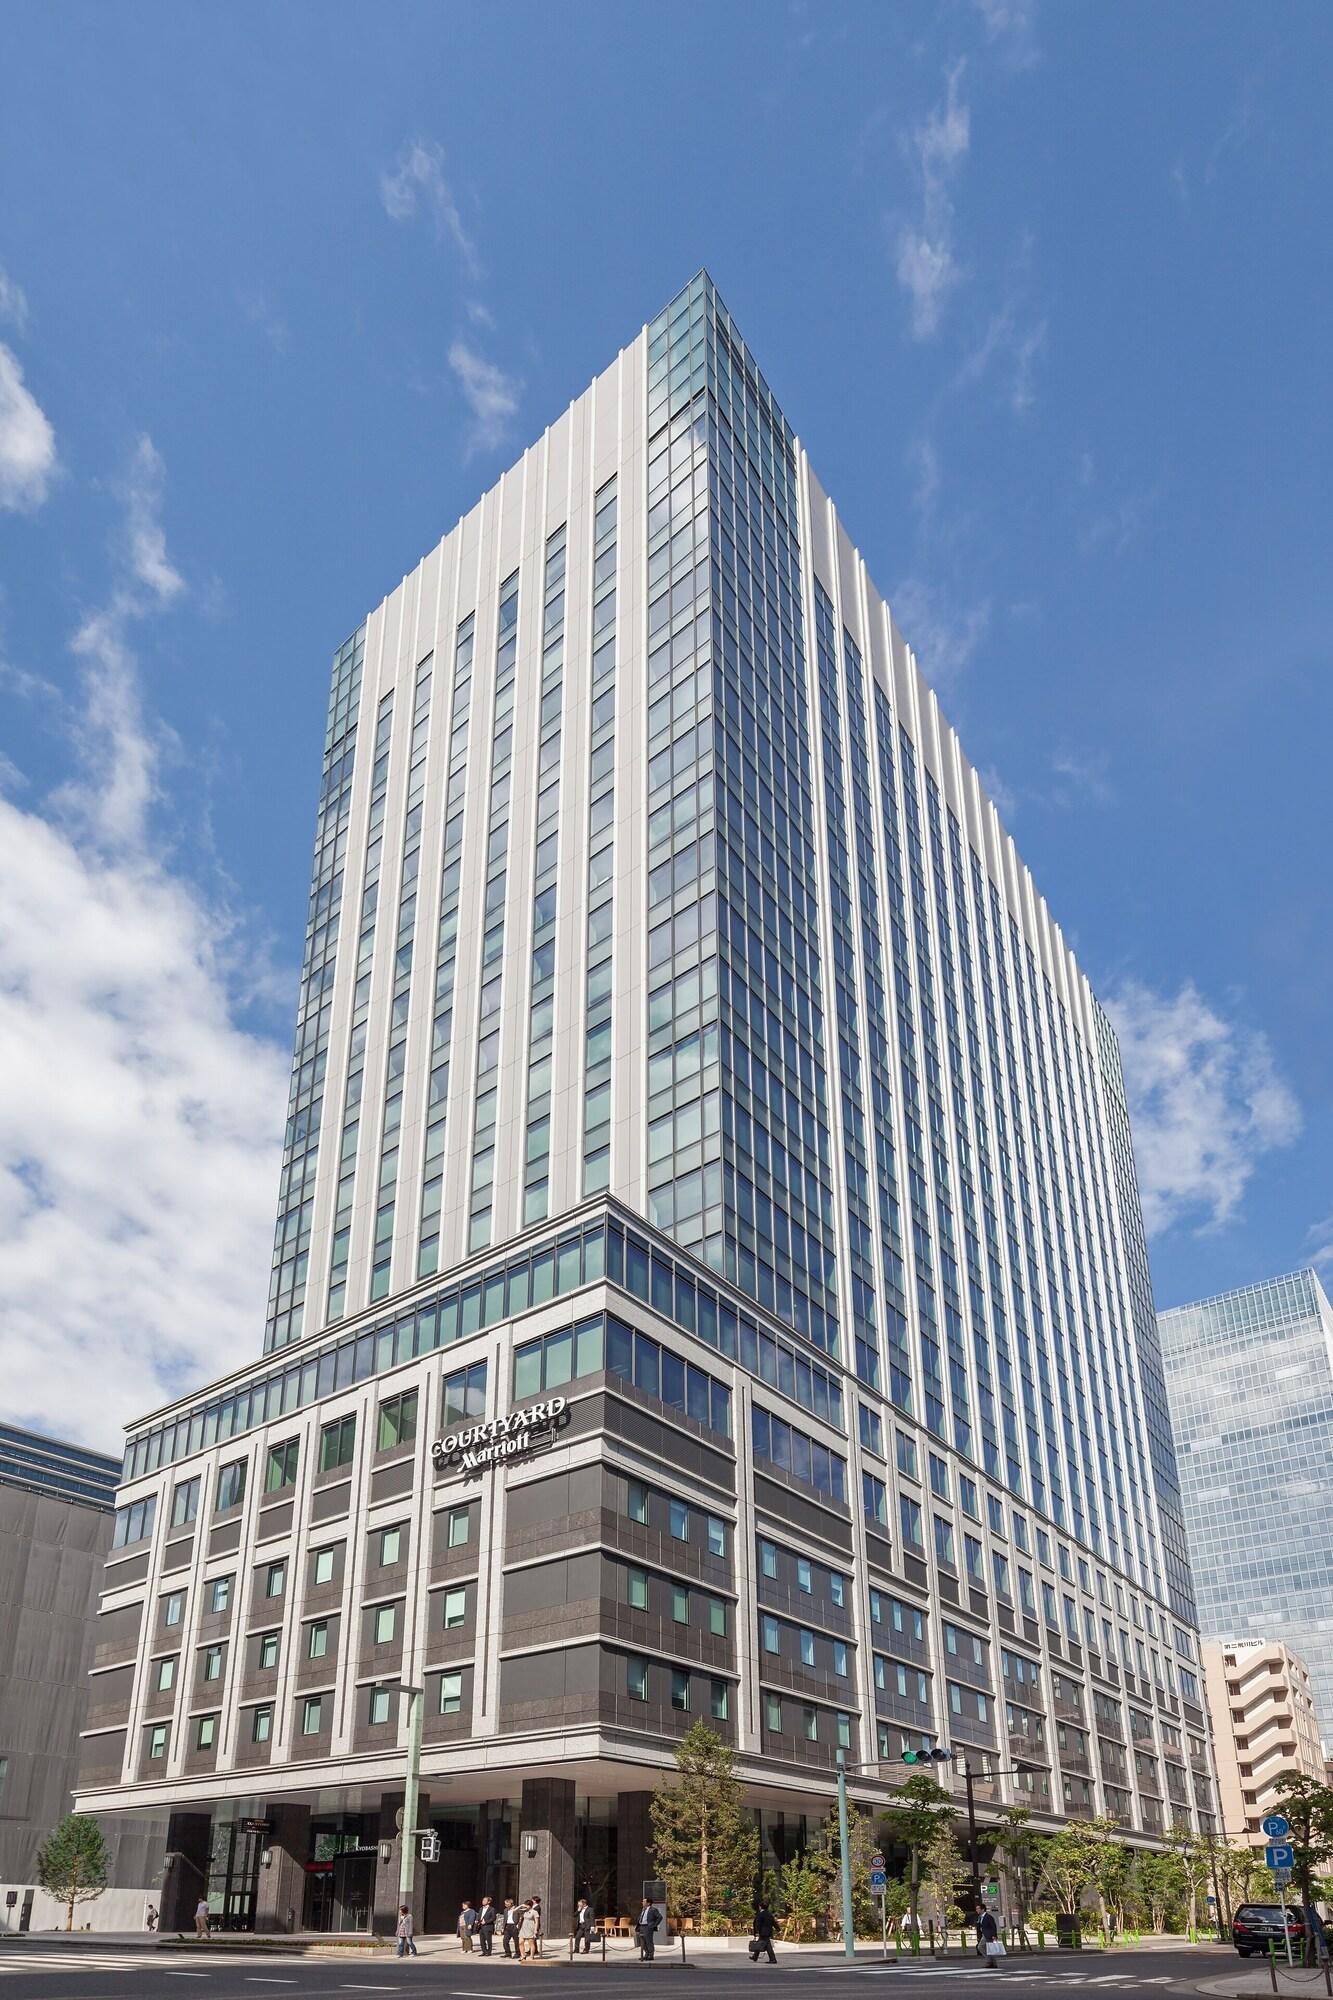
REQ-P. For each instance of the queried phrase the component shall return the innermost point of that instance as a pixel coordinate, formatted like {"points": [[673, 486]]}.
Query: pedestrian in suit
{"points": [[486, 1916], [584, 1925], [765, 1923], [645, 1927], [510, 1917]]}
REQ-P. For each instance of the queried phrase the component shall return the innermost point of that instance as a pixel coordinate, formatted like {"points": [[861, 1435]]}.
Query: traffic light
{"points": [[430, 1846], [940, 1755]]}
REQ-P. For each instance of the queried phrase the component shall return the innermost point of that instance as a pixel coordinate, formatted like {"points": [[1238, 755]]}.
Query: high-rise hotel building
{"points": [[709, 1278]]}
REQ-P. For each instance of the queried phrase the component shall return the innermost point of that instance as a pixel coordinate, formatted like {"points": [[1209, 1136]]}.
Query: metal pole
{"points": [[844, 1843], [972, 1840], [408, 1855], [1286, 1934]]}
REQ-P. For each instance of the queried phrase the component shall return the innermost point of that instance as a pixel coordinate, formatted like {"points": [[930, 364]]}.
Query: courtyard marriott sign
{"points": [[480, 1447]]}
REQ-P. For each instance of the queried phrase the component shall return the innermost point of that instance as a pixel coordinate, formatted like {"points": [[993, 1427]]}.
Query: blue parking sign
{"points": [[1279, 1855]]}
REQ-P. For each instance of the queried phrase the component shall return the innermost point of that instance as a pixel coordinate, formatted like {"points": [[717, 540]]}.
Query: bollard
{"points": [[682, 1947], [603, 1938]]}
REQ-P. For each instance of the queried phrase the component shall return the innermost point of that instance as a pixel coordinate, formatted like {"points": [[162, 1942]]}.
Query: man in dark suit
{"points": [[486, 1917], [585, 1923], [765, 1923], [645, 1928]]}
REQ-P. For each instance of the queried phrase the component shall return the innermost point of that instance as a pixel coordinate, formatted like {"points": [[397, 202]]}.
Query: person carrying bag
{"points": [[992, 1947]]}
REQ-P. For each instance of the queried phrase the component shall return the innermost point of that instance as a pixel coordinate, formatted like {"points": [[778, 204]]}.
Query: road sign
{"points": [[877, 1863], [1281, 1876], [878, 1881], [1275, 1826], [1279, 1855]]}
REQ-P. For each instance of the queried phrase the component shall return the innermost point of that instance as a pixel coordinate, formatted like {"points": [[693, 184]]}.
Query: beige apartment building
{"points": [[1261, 1702]]}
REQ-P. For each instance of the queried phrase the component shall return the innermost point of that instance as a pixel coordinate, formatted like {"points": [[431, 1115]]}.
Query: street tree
{"points": [[1309, 1807], [919, 1808], [861, 1845], [72, 1862], [705, 1844], [1014, 1843]]}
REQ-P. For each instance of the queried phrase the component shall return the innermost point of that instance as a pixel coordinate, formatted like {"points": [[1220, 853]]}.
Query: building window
{"points": [[231, 1485], [268, 1650], [276, 1580], [379, 1705], [904, 1451], [944, 1542], [680, 1521], [135, 1522], [391, 1547], [810, 1724], [804, 1575], [718, 1701], [337, 1442], [837, 1589], [772, 1641], [219, 1593], [317, 1640], [166, 1675], [464, 1395], [973, 1558], [872, 1431], [636, 1679], [967, 1495], [212, 1663], [807, 1649], [282, 1463], [875, 1500], [773, 1713], [459, 1526], [939, 1477], [261, 1725], [840, 1658], [717, 1536], [910, 1515], [321, 1566], [397, 1421], [386, 1624], [717, 1617], [680, 1690], [637, 1589], [638, 1502], [206, 1734], [173, 1607], [451, 1694], [185, 1503], [455, 1609], [680, 1604], [844, 1732], [768, 1559], [157, 1740], [312, 1715]]}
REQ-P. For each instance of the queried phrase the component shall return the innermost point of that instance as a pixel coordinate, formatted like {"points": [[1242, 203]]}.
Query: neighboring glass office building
{"points": [[1250, 1376], [681, 1041]]}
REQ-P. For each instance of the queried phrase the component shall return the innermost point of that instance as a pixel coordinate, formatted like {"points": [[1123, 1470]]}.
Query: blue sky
{"points": [[1043, 288]]}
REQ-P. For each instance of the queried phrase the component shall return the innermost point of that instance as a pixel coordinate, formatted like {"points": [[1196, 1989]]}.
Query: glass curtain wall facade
{"points": [[757, 1112], [1250, 1376]]}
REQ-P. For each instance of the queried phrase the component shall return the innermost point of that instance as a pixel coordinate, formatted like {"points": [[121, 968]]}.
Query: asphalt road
{"points": [[39, 1971]]}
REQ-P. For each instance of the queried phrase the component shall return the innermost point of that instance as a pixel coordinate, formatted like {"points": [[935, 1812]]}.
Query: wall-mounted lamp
{"points": [[386, 1850], [266, 1858], [529, 1844]]}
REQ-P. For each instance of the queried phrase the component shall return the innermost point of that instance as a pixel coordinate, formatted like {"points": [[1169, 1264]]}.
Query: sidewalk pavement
{"points": [[1252, 1983]]}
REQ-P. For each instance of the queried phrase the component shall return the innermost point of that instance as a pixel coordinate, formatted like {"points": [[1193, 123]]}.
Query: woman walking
{"points": [[527, 1932]]}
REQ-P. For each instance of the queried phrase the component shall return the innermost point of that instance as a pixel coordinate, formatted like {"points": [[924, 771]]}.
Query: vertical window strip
{"points": [[396, 1059], [446, 952], [541, 997], [482, 1184], [296, 1187], [846, 1013], [356, 1059], [601, 848]]}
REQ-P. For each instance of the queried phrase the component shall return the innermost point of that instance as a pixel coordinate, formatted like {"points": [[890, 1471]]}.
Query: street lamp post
{"points": [[407, 1853]]}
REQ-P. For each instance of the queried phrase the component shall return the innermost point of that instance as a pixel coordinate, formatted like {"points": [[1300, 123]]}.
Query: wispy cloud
{"points": [[1084, 780], [13, 303], [1010, 346], [27, 441], [1004, 797], [140, 1120], [490, 394], [417, 182], [923, 461], [927, 267], [1206, 1101], [1319, 1244], [1011, 25], [942, 630]]}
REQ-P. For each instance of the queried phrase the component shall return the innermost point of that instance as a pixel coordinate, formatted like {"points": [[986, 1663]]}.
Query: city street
{"points": [[57, 1971]]}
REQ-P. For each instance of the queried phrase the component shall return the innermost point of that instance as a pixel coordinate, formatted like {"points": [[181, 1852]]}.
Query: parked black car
{"points": [[1257, 1925]]}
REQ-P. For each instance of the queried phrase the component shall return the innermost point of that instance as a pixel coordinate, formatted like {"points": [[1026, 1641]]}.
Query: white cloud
{"points": [[13, 303], [140, 1120], [943, 632], [1003, 795], [1206, 1101], [927, 268], [491, 395], [1319, 1243], [27, 441], [418, 181], [1086, 779], [1011, 25]]}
